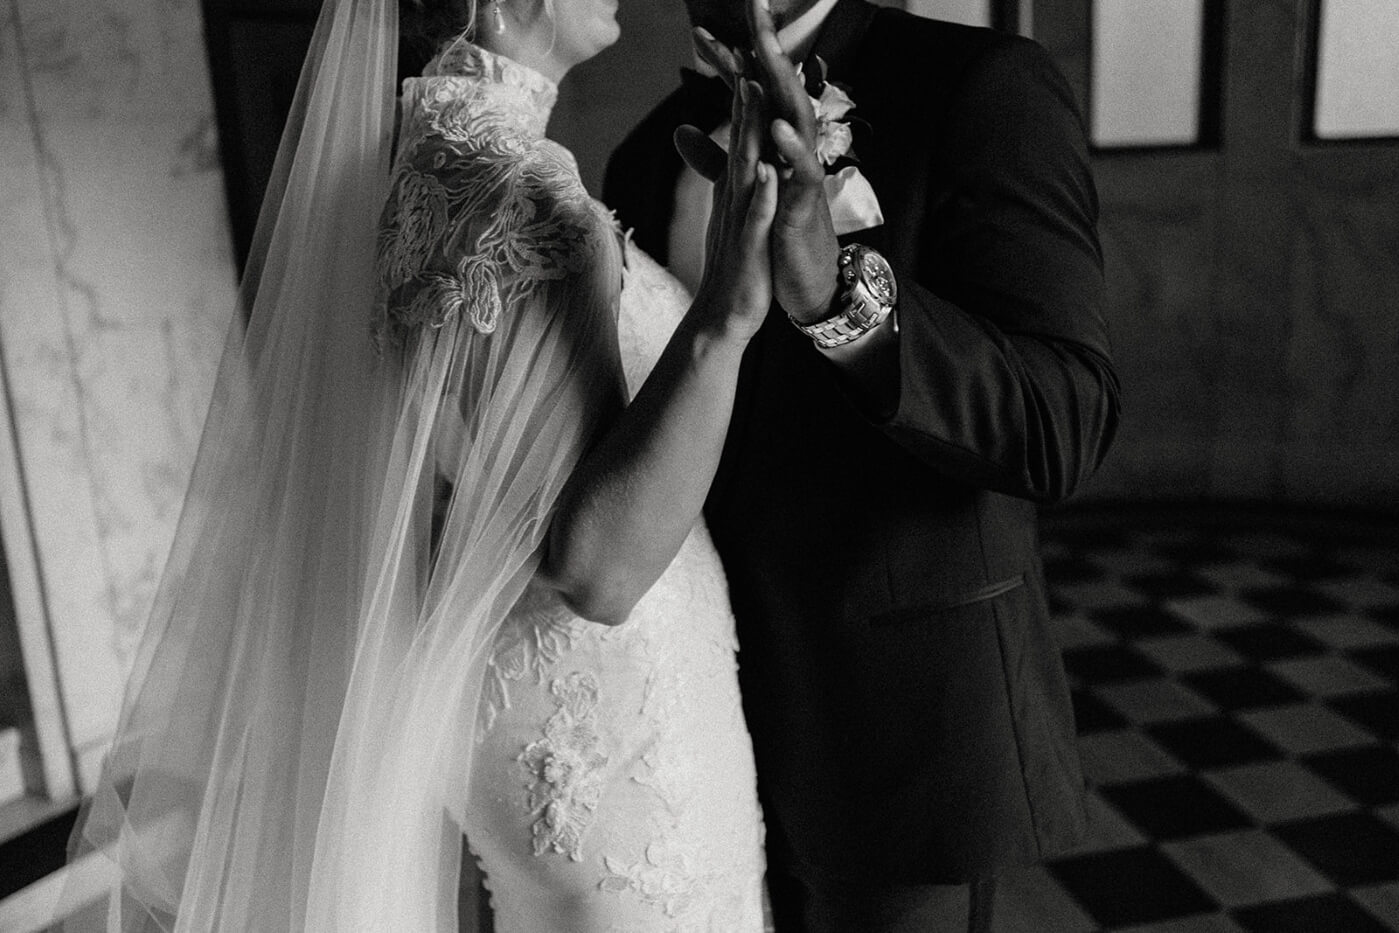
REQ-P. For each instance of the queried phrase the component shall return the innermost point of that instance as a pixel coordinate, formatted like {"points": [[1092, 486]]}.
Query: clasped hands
{"points": [[772, 145]]}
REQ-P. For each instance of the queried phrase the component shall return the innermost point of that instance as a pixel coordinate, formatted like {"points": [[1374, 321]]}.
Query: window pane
{"points": [[1146, 72], [971, 12], [1357, 81]]}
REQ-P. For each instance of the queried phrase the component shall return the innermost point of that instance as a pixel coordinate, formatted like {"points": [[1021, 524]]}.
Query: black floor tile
{"points": [[1288, 601], [1140, 622], [1377, 712], [1270, 642], [1130, 886], [1243, 688], [1307, 567], [1351, 849], [1108, 663], [1213, 742], [1383, 660], [1094, 537], [1330, 913], [1093, 715], [1174, 807], [1171, 585], [1203, 550], [1072, 570], [1368, 775], [1385, 615]]}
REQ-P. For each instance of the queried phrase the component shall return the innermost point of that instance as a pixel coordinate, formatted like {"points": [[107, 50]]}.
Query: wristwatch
{"points": [[865, 295]]}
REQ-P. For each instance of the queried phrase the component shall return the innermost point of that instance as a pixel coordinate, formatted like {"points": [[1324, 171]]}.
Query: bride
{"points": [[440, 569]]}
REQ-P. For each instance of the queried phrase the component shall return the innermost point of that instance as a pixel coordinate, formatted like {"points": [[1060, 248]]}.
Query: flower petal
{"points": [[834, 103], [832, 141], [854, 205]]}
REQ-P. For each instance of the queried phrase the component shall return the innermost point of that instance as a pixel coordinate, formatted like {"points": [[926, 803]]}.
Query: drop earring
{"points": [[497, 18]]}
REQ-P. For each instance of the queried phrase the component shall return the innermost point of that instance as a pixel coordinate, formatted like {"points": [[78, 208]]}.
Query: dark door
{"points": [[256, 48], [1253, 273]]}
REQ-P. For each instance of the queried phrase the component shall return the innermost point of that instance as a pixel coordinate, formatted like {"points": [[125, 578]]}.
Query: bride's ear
{"points": [[700, 152]]}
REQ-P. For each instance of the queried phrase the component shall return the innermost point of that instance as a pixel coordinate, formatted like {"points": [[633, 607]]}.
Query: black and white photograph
{"points": [[699, 466]]}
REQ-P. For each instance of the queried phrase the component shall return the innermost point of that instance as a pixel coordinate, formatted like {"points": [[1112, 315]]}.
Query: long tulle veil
{"points": [[297, 729]]}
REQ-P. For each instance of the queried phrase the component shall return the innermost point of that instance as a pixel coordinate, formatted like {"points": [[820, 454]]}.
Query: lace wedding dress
{"points": [[611, 783]]}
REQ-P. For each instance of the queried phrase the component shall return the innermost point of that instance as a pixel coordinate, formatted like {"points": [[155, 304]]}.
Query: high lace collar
{"points": [[524, 94]]}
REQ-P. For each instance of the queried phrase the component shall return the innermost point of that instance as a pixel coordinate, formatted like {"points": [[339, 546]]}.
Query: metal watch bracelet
{"points": [[866, 293]]}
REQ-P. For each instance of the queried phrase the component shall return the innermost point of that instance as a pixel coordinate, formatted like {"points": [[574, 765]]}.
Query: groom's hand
{"points": [[804, 247]]}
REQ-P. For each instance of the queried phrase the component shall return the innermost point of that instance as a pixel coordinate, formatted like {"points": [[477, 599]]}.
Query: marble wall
{"points": [[116, 285]]}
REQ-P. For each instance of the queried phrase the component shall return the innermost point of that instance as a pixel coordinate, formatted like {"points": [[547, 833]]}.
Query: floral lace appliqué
{"points": [[666, 879], [481, 208], [528, 95], [565, 769], [673, 882], [536, 635]]}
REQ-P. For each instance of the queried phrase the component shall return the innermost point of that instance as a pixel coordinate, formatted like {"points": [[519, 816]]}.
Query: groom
{"points": [[924, 383]]}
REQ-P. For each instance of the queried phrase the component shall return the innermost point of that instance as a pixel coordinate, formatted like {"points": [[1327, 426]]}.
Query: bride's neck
{"points": [[531, 47]]}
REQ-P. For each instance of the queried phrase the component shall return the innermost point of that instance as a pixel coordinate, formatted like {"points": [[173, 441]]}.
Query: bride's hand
{"points": [[735, 291]]}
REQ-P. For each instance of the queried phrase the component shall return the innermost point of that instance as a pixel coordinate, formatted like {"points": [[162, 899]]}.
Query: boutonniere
{"points": [[854, 205]]}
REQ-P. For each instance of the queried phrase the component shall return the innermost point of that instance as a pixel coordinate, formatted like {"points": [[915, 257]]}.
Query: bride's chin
{"points": [[608, 34], [603, 39]]}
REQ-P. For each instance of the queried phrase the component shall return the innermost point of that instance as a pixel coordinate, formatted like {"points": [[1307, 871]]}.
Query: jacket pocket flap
{"points": [[918, 611]]}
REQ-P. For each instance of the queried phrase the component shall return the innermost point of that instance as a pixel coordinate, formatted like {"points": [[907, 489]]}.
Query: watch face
{"points": [[879, 278]]}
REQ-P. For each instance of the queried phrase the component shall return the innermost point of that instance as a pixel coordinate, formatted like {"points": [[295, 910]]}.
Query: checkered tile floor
{"points": [[1236, 681]]}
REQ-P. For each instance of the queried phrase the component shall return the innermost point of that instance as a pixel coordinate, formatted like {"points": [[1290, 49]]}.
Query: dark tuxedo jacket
{"points": [[906, 698]]}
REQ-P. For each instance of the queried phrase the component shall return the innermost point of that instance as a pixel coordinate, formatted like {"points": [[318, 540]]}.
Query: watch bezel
{"points": [[879, 281]]}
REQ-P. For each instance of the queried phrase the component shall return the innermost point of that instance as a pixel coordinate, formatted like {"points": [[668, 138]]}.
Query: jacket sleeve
{"points": [[1005, 379]]}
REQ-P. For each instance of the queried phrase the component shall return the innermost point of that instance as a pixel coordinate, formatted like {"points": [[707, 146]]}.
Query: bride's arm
{"points": [[637, 494]]}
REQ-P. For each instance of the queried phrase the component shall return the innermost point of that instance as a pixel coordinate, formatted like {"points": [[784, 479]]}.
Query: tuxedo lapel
{"points": [[841, 35], [838, 44]]}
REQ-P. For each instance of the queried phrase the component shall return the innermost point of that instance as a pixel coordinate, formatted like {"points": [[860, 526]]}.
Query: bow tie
{"points": [[706, 99]]}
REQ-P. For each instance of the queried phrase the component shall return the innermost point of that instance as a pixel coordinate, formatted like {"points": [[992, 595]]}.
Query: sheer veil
{"points": [[296, 734]]}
